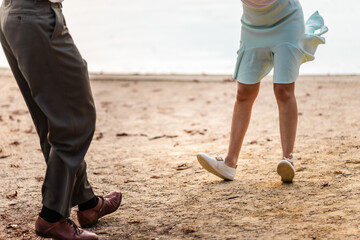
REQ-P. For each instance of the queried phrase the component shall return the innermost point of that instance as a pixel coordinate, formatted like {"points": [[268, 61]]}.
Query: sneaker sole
{"points": [[286, 171], [209, 168]]}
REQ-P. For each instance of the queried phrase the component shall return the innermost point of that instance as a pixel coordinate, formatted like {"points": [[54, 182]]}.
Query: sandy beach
{"points": [[149, 129]]}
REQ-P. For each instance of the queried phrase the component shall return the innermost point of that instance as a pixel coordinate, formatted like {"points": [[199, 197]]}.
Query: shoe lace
{"points": [[73, 225], [217, 157]]}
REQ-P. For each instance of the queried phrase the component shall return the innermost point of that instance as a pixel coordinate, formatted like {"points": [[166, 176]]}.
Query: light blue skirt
{"points": [[276, 36]]}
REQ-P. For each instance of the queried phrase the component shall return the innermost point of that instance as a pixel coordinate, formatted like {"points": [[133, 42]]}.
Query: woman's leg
{"points": [[246, 95], [288, 115]]}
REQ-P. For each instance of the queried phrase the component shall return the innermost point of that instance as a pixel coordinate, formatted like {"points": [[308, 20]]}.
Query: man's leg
{"points": [[58, 81], [38, 117], [54, 78]]}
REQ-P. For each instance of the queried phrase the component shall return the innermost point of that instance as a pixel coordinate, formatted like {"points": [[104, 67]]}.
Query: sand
{"points": [[147, 136]]}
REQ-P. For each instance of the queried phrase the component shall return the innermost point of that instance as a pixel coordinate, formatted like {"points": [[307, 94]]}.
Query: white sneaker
{"points": [[286, 169], [216, 166]]}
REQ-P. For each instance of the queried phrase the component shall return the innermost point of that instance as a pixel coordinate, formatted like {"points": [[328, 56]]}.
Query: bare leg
{"points": [[288, 114], [246, 95]]}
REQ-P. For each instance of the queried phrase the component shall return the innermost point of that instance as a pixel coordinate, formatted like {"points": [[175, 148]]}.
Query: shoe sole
{"points": [[97, 220], [209, 168], [286, 171], [43, 235]]}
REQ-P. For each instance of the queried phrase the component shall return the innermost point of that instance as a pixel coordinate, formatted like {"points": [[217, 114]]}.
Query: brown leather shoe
{"points": [[106, 205], [65, 229]]}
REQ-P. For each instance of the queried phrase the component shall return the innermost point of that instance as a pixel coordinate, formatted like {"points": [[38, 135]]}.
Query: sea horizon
{"points": [[192, 37]]}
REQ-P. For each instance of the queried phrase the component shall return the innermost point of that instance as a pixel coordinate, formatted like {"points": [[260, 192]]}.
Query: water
{"points": [[194, 36]]}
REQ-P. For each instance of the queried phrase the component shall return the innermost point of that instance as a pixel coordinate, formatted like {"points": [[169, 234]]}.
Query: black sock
{"points": [[49, 215], [89, 204]]}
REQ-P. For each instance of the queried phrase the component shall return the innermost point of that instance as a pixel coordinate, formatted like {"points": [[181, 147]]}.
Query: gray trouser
{"points": [[53, 80]]}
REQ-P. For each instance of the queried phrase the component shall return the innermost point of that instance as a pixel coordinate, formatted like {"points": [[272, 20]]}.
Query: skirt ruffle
{"points": [[314, 29]]}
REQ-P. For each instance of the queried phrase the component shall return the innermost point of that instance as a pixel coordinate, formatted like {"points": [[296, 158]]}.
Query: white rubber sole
{"points": [[286, 170], [209, 168]]}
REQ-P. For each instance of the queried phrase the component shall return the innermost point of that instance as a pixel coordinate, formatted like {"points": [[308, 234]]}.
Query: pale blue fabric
{"points": [[276, 36]]}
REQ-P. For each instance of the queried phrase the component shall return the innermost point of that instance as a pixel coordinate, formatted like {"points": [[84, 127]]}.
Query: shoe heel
{"points": [[90, 224], [286, 172]]}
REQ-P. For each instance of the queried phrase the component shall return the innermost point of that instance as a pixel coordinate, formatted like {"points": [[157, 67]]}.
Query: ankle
{"points": [[231, 162], [289, 157], [89, 204], [49, 215]]}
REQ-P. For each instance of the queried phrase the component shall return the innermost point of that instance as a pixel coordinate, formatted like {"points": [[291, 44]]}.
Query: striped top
{"points": [[258, 3]]}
